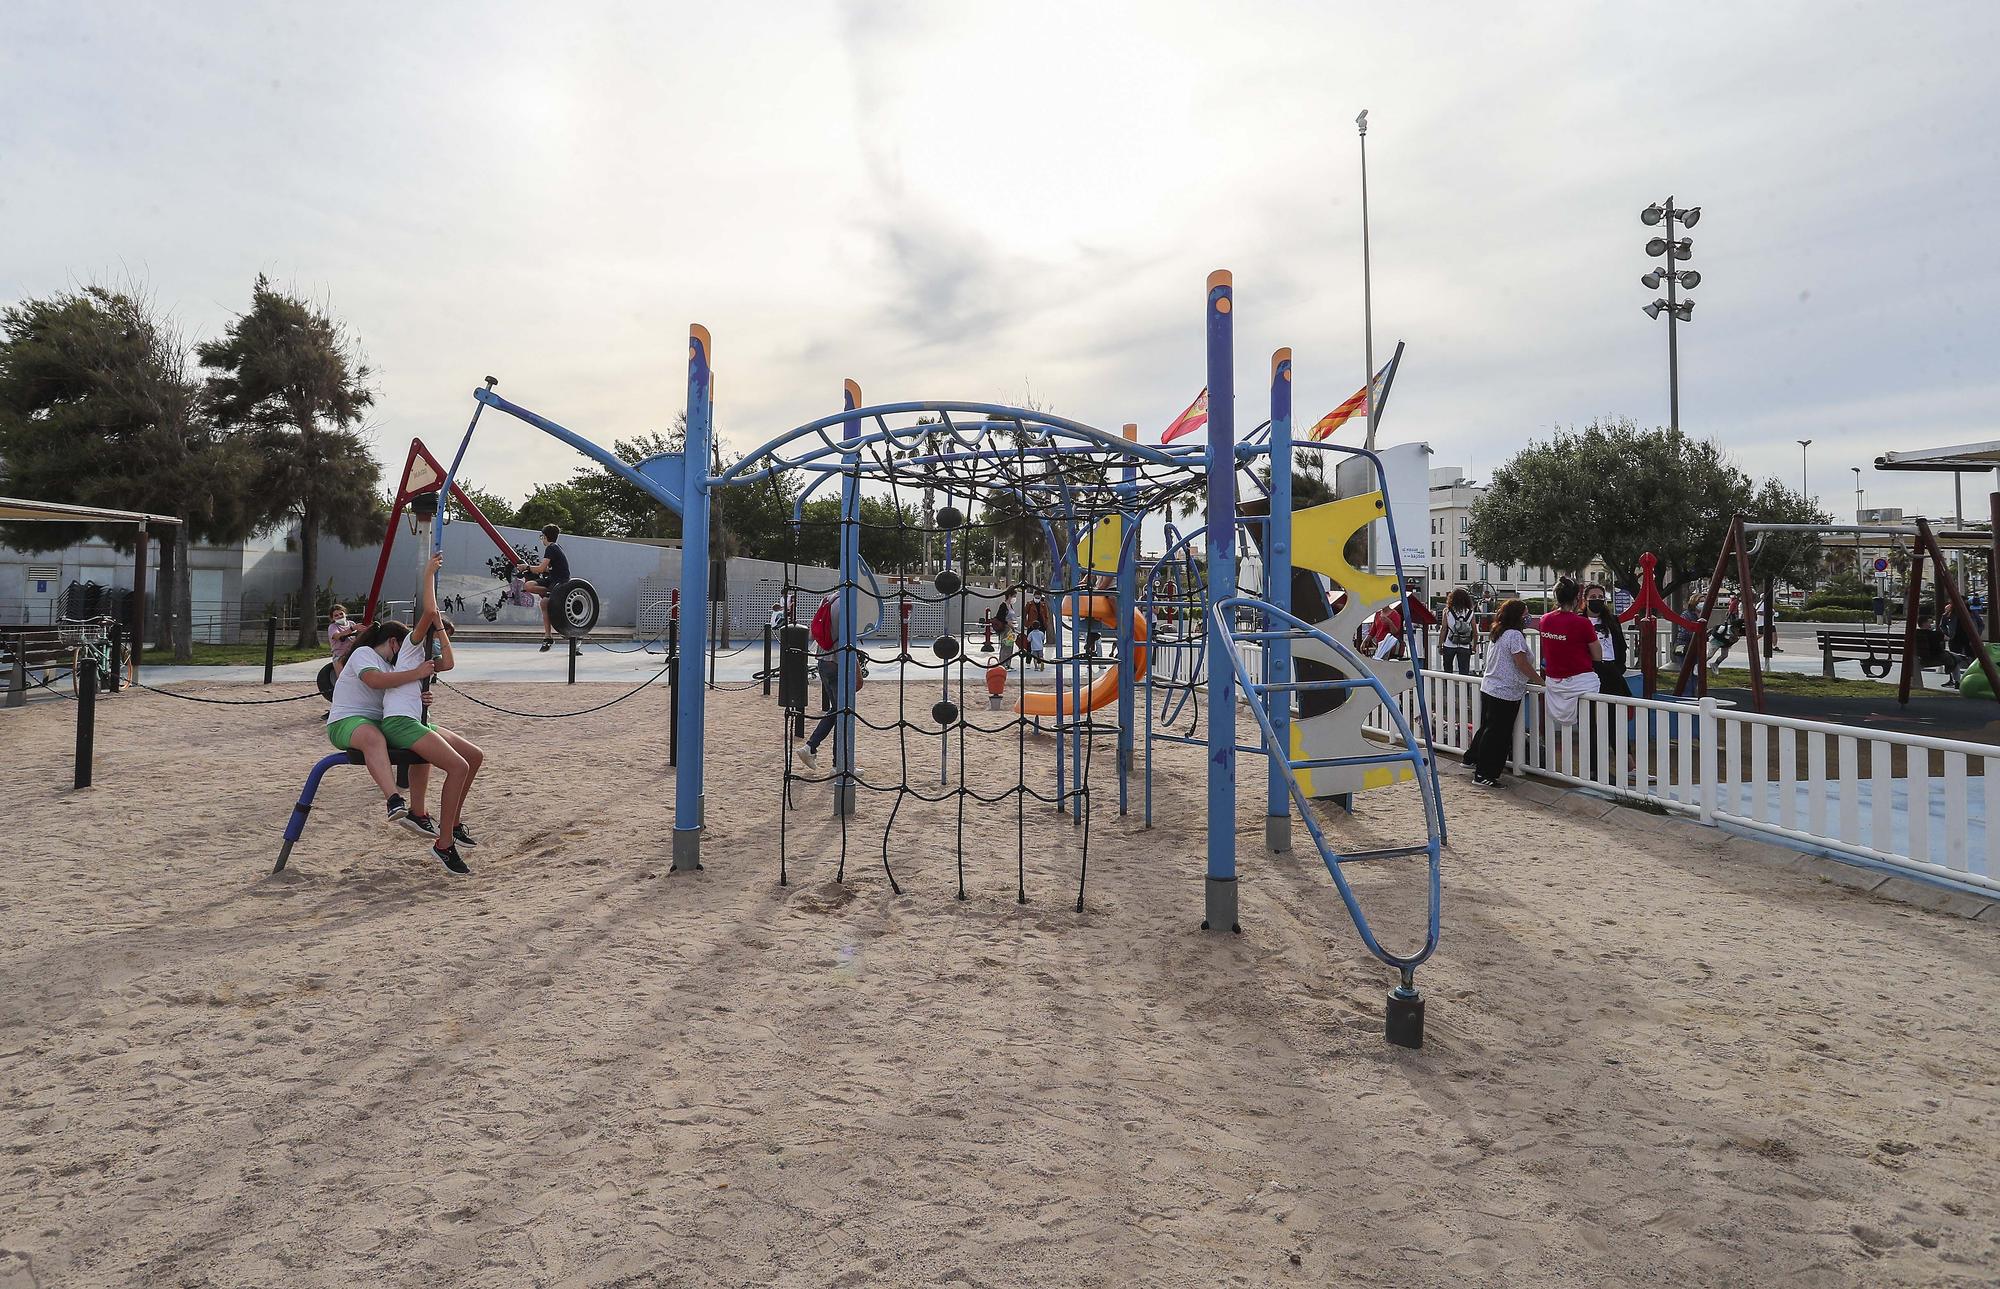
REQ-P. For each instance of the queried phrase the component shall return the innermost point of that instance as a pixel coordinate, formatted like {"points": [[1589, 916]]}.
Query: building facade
{"points": [[1454, 563]]}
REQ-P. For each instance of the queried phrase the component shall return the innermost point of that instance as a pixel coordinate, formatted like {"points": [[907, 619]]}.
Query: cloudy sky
{"points": [[980, 200]]}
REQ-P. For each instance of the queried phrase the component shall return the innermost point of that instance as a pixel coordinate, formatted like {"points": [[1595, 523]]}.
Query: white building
{"points": [[1453, 561]]}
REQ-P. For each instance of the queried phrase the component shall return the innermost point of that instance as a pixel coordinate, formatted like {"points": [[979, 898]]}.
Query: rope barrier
{"points": [[555, 716], [224, 702]]}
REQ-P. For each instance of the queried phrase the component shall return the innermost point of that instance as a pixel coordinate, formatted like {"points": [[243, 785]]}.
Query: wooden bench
{"points": [[25, 649], [1879, 652]]}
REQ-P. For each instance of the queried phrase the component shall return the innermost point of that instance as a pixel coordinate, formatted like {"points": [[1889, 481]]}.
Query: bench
{"points": [[26, 649], [401, 759], [1879, 652]]}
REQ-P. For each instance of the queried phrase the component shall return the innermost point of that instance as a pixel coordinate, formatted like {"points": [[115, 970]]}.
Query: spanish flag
{"points": [[1356, 406], [1189, 421]]}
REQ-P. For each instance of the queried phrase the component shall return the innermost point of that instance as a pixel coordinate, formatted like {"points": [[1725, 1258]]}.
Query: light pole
{"points": [[1676, 309], [1857, 492], [1367, 290], [1803, 445]]}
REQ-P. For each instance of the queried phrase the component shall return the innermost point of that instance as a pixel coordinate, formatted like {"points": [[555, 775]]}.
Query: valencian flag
{"points": [[1358, 405], [1189, 421]]}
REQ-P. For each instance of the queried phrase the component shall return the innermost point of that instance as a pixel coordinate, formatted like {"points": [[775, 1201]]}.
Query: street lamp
{"points": [[1672, 250], [1803, 445]]}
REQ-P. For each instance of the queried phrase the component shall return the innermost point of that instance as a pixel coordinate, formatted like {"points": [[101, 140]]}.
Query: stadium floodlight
{"points": [[1653, 309], [1690, 217], [1684, 248], [1652, 215], [1689, 279], [1656, 247], [1651, 281]]}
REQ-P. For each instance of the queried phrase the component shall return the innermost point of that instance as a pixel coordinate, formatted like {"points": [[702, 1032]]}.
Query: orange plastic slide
{"points": [[1104, 690]]}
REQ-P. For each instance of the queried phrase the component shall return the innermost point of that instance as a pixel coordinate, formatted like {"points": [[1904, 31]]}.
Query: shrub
{"points": [[1839, 600], [1831, 615]]}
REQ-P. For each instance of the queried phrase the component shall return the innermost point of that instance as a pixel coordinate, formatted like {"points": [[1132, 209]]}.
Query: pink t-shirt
{"points": [[1566, 641]]}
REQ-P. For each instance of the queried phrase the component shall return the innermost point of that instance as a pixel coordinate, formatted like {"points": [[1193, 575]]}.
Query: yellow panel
{"points": [[1098, 549], [1319, 538]]}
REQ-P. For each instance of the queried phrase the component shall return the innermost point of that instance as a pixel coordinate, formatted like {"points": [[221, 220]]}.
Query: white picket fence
{"points": [[1904, 800]]}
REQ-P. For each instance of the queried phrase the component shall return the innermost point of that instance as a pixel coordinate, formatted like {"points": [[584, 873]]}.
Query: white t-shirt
{"points": [[405, 700], [1503, 678], [350, 696]]}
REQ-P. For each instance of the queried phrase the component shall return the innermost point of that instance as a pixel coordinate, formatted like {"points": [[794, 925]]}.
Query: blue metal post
{"points": [[688, 811], [1220, 889], [1278, 590], [1128, 595], [848, 640]]}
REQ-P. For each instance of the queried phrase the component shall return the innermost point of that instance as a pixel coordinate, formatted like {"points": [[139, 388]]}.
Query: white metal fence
{"points": [[1909, 801]]}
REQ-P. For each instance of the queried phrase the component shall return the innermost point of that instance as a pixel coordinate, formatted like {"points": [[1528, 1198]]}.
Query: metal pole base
{"points": [[1278, 834], [1403, 1024], [843, 799], [687, 850], [1220, 905]]}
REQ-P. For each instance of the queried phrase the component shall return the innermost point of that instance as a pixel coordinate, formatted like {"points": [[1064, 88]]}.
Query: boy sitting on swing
{"points": [[545, 576]]}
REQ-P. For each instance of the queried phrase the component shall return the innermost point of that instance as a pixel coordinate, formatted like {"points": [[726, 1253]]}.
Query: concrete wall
{"points": [[615, 568]]}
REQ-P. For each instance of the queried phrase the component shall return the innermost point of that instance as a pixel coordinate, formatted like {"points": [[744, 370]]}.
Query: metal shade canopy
{"points": [[15, 510], [1968, 458]]}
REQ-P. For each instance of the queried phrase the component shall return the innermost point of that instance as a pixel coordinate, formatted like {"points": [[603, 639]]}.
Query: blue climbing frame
{"points": [[1217, 646]]}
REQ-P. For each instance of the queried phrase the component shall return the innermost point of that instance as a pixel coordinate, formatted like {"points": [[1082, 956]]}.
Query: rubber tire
{"points": [[325, 682], [1876, 668], [573, 608]]}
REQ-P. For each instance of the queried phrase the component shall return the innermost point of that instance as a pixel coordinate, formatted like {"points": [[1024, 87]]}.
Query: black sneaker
{"points": [[448, 856], [422, 825], [546, 644], [460, 837], [399, 809]]}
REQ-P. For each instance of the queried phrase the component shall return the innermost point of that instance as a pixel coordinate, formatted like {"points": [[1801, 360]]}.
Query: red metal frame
{"points": [[404, 493]]}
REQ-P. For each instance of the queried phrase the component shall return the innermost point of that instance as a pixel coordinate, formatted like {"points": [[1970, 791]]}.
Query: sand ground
{"points": [[1645, 1064]]}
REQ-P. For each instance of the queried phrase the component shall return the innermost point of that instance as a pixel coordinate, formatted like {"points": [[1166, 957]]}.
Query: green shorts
{"points": [[403, 732], [341, 732]]}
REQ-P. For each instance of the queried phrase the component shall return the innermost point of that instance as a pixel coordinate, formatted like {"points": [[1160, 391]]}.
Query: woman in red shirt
{"points": [[1570, 650]]}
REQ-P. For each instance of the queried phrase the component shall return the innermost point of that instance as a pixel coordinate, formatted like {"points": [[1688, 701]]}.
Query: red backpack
{"points": [[822, 626]]}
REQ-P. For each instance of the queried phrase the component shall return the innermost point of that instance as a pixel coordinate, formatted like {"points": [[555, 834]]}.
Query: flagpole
{"points": [[1367, 288]]}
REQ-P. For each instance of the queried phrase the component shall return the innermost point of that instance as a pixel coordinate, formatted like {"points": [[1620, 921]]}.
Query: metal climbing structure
{"points": [[1254, 609]]}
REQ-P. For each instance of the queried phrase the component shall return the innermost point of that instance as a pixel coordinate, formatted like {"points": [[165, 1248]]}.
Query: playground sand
{"points": [[1646, 1064]]}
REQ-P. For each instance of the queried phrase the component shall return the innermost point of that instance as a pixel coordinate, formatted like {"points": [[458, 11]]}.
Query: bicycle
{"points": [[89, 640]]}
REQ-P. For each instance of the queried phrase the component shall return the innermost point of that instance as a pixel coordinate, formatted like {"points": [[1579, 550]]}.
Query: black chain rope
{"points": [[225, 702], [557, 716]]}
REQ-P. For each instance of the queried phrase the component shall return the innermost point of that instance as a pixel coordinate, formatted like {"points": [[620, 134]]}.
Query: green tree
{"points": [[290, 380], [98, 408], [1793, 559], [496, 508], [628, 510], [1616, 491], [575, 510]]}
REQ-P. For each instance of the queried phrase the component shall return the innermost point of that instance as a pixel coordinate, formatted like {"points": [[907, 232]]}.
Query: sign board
{"points": [[1881, 565], [1407, 469]]}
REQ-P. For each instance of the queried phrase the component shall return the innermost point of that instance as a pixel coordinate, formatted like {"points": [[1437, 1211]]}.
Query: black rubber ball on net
{"points": [[950, 517], [945, 713], [948, 582], [945, 647]]}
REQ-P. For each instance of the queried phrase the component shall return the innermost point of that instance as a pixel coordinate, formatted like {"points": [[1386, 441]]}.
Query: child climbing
{"points": [[406, 724]]}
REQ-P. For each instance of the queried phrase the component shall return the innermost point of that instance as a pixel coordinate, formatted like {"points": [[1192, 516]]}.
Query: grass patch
{"points": [[239, 655], [1791, 682]]}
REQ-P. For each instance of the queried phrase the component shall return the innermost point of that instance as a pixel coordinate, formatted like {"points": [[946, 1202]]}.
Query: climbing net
{"points": [[954, 487]]}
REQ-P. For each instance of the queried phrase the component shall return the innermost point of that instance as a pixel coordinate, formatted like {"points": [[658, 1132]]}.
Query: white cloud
{"points": [[943, 200]]}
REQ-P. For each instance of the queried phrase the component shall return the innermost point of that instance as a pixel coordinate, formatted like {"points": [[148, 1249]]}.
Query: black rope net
{"points": [[955, 492]]}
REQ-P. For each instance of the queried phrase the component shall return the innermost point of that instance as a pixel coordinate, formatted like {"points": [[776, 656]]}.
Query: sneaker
{"points": [[546, 644], [460, 837], [422, 825], [809, 756], [1480, 780], [399, 809], [448, 856]]}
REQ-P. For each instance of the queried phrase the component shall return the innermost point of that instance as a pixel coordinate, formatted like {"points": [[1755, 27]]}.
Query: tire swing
{"points": [[573, 607]]}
